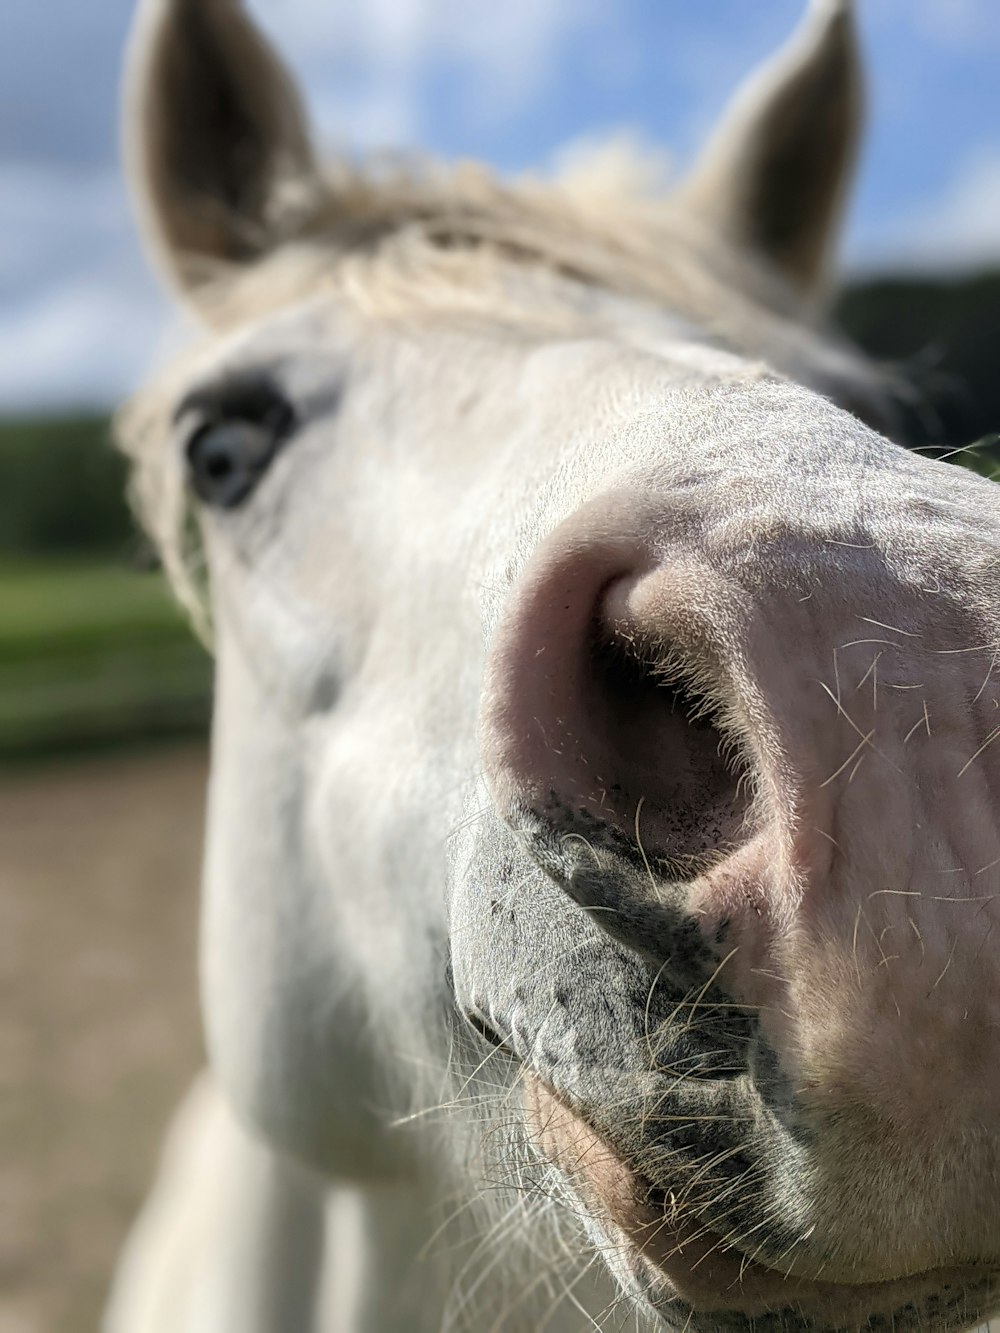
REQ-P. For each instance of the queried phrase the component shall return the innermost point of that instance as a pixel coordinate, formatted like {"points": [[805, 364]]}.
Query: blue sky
{"points": [[510, 81]]}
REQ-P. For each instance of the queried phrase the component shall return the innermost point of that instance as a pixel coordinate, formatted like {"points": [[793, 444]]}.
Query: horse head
{"points": [[605, 706]]}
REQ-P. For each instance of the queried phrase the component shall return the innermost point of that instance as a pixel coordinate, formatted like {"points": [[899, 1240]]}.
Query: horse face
{"points": [[599, 689]]}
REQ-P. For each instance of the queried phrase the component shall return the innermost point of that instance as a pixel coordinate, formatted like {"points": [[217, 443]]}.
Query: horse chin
{"points": [[690, 1276]]}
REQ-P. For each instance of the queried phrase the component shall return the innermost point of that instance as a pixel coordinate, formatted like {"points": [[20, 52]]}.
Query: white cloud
{"points": [[959, 232], [957, 23], [954, 25], [84, 343], [367, 66], [79, 315]]}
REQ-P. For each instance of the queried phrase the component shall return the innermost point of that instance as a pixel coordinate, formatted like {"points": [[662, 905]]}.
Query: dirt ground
{"points": [[98, 1021]]}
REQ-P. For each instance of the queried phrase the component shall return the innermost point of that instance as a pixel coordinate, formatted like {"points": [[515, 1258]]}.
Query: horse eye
{"points": [[225, 461], [236, 441]]}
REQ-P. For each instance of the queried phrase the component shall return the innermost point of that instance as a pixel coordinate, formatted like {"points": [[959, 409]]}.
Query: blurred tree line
{"points": [[63, 488], [92, 650], [943, 336]]}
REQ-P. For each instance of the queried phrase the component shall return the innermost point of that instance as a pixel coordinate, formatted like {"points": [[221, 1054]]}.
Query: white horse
{"points": [[603, 852]]}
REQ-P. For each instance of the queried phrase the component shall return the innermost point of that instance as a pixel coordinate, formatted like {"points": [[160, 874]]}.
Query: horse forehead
{"points": [[287, 334], [297, 305], [651, 394], [571, 348], [588, 403]]}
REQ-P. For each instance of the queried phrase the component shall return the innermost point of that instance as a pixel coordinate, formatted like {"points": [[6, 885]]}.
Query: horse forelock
{"points": [[402, 234]]}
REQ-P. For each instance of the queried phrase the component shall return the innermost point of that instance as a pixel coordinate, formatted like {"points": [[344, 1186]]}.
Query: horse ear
{"points": [[215, 136], [774, 176]]}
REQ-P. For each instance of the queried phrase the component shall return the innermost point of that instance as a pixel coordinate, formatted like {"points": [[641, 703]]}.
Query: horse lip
{"points": [[680, 1261], [756, 1289], [746, 1284]]}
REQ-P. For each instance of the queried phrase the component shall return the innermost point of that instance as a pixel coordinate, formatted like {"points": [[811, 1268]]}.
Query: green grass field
{"points": [[93, 653]]}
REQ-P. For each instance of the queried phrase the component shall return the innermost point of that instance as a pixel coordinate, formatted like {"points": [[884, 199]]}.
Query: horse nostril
{"points": [[599, 721], [612, 732], [663, 771], [487, 1032]]}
